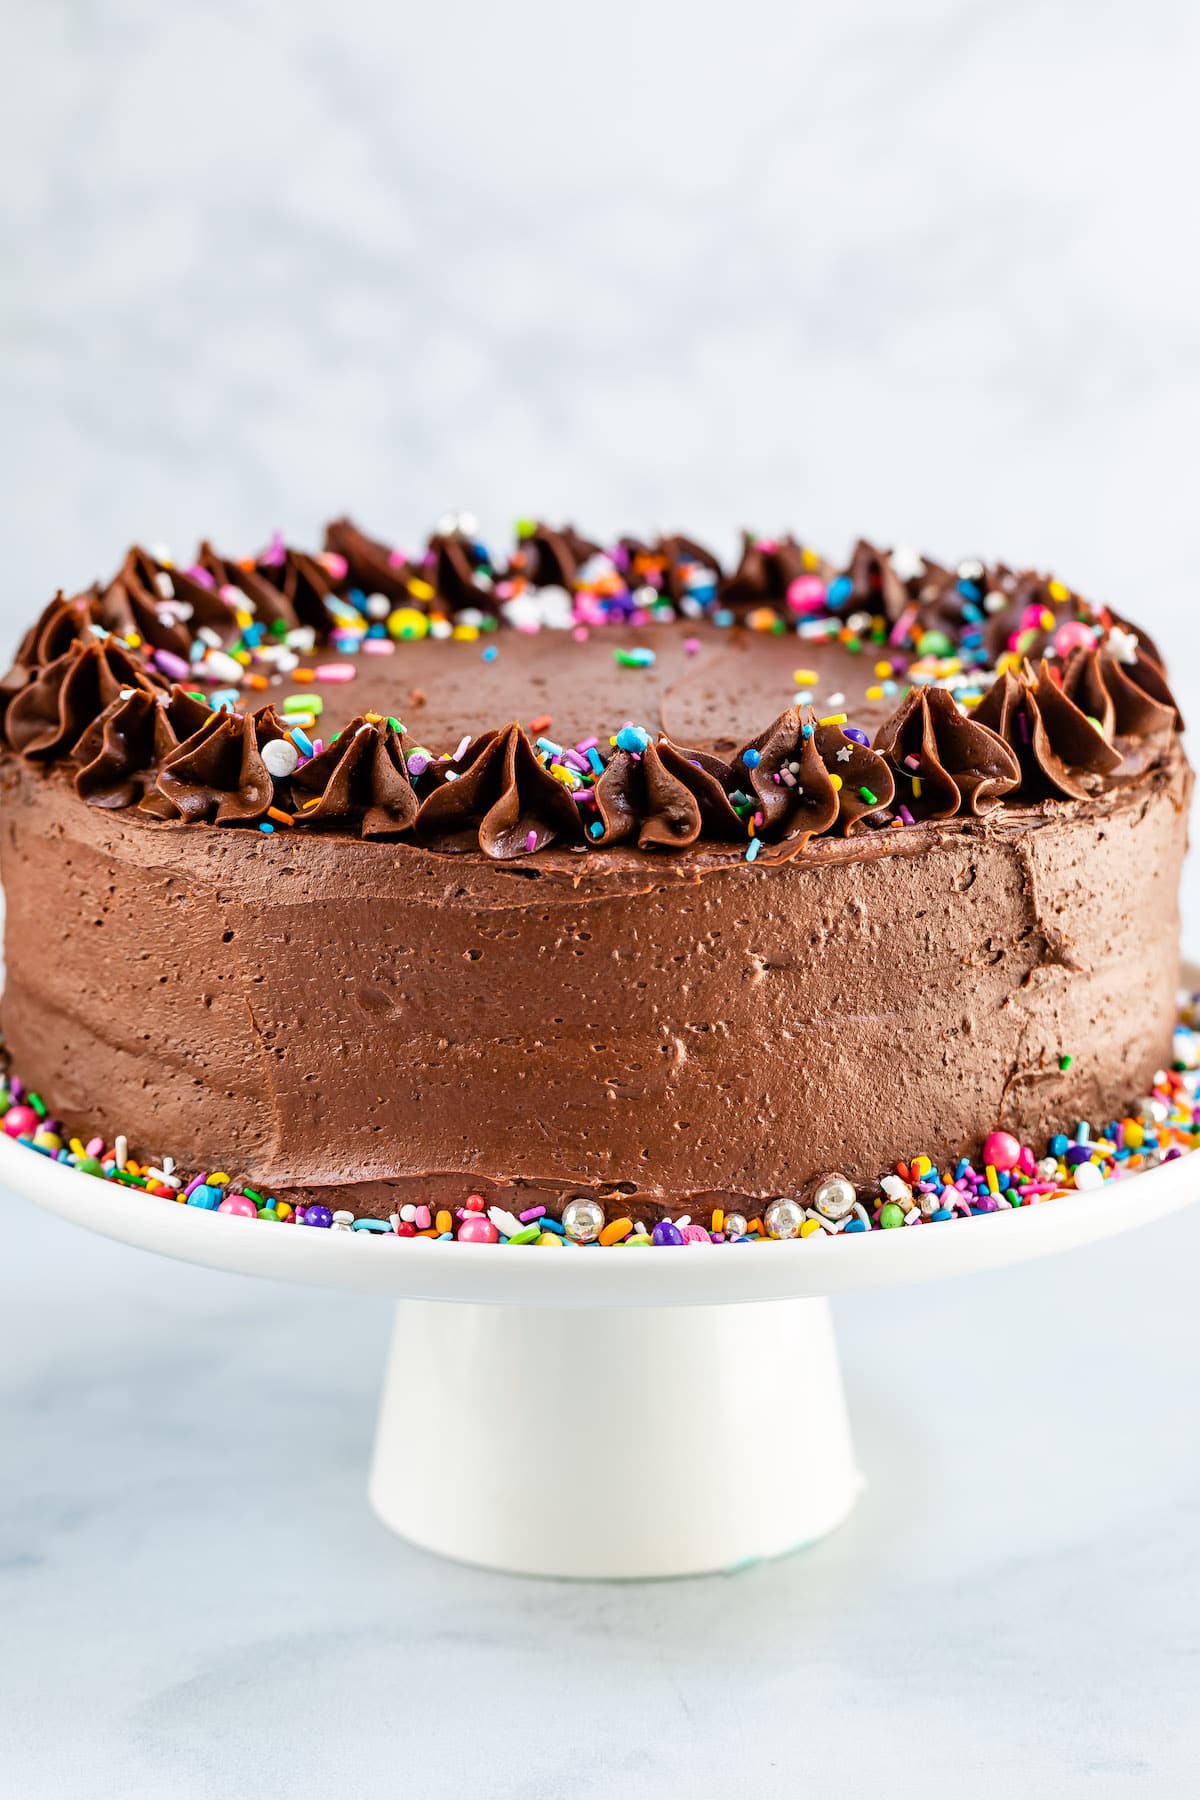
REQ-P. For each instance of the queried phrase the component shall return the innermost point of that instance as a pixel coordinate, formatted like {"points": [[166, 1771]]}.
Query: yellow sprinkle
{"points": [[466, 634], [1057, 591], [883, 670], [78, 1147], [916, 781], [718, 1219], [315, 801], [549, 1237], [615, 1230], [833, 719], [810, 560], [372, 718], [993, 1180], [220, 1179], [407, 622], [837, 783], [242, 656], [444, 1221], [804, 677], [808, 1227], [874, 693], [244, 619], [920, 1166], [420, 590], [1047, 619]]}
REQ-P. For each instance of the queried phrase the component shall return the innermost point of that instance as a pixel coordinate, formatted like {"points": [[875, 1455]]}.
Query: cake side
{"points": [[378, 1022]]}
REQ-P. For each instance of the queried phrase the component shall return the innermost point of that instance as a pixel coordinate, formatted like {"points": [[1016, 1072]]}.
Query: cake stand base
{"points": [[613, 1442]]}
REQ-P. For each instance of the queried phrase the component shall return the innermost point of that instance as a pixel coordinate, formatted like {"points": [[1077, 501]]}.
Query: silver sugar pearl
{"points": [[583, 1219], [834, 1197], [994, 602], [784, 1217], [735, 1225], [970, 569]]}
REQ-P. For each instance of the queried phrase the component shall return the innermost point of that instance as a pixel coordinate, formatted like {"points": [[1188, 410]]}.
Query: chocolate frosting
{"points": [[551, 558], [767, 568], [218, 775], [667, 796], [49, 715], [118, 754], [503, 803], [959, 762], [358, 780], [1058, 747], [370, 564]]}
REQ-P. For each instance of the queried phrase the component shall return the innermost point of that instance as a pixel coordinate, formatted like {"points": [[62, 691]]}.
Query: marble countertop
{"points": [[195, 1600]]}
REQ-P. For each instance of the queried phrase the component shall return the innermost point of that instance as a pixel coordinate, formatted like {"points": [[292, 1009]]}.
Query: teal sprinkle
{"points": [[753, 848]]}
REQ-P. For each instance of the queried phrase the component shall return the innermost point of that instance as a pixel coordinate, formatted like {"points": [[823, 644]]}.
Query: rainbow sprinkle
{"points": [[1003, 1174]]}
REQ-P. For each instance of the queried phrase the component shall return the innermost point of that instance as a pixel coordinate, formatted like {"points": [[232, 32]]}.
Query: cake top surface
{"points": [[586, 696]]}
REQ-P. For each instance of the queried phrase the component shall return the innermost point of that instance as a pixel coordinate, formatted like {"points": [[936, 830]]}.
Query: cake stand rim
{"points": [[418, 1268]]}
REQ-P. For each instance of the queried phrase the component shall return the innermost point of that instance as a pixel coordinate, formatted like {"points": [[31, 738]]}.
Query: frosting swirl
{"points": [[360, 778], [1059, 748], [49, 715], [954, 763], [503, 801], [218, 774]]}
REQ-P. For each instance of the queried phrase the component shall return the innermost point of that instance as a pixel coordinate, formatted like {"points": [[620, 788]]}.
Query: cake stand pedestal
{"points": [[608, 1413], [613, 1442]]}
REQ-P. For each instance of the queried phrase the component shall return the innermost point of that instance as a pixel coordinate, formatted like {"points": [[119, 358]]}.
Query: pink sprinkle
{"points": [[94, 1146], [193, 1184], [691, 645], [531, 841], [423, 1219], [580, 634], [378, 646], [462, 746], [586, 744], [318, 745], [335, 672], [532, 1213], [912, 762], [201, 576], [396, 559], [172, 665], [275, 554], [337, 565], [232, 596]]}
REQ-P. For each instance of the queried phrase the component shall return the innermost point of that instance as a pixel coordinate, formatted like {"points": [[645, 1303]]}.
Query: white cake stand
{"points": [[608, 1413]]}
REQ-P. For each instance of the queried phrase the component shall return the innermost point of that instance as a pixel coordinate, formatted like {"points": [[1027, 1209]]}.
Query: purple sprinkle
{"points": [[907, 816], [172, 665], [530, 1214], [855, 735], [201, 576]]}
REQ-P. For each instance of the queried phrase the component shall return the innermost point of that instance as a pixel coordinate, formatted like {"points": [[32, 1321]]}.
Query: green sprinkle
{"points": [[527, 1236], [251, 1195], [38, 1105], [395, 724], [869, 797], [1064, 1063]]}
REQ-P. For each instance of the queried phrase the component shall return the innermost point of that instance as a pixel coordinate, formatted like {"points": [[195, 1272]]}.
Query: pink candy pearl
{"points": [[19, 1121], [477, 1229], [1001, 1150], [423, 1219], [1074, 635], [806, 594], [239, 1206], [695, 1234]]}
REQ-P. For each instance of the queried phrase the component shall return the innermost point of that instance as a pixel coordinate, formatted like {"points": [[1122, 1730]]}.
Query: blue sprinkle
{"points": [[548, 747], [808, 731], [267, 827], [854, 1225], [840, 589], [549, 1224], [491, 653], [302, 741], [753, 848], [1059, 1144], [970, 590], [724, 617], [632, 737], [943, 1212], [596, 828], [596, 760], [752, 758], [1083, 1132]]}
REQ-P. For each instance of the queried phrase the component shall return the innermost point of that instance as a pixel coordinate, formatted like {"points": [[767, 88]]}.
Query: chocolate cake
{"points": [[585, 873]]}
